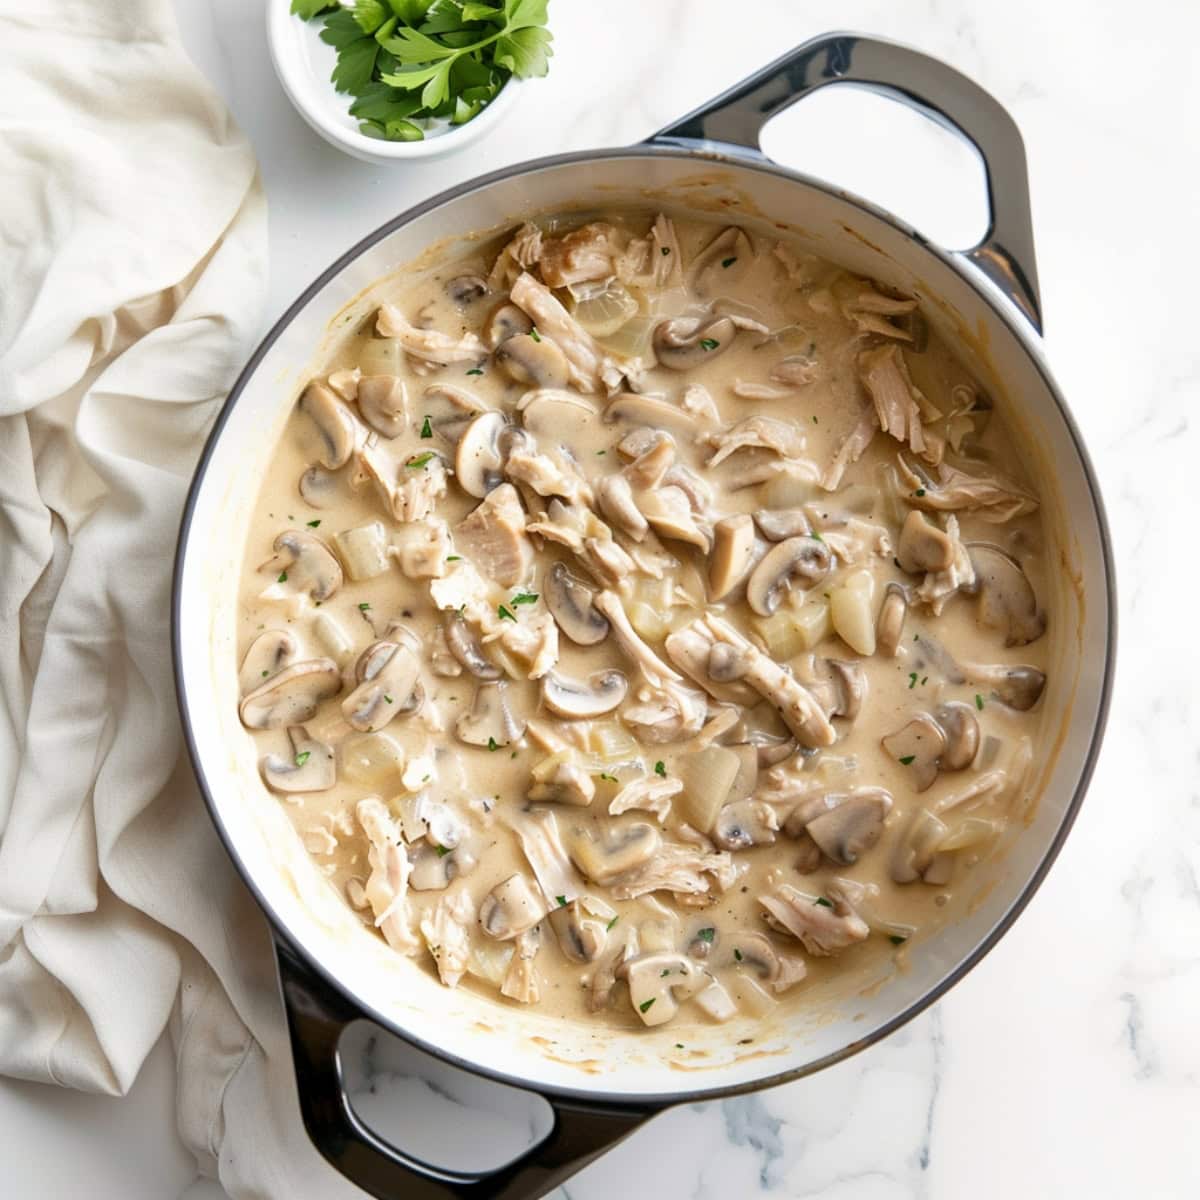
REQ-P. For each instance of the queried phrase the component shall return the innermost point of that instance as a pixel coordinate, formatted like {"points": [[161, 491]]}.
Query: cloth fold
{"points": [[132, 278]]}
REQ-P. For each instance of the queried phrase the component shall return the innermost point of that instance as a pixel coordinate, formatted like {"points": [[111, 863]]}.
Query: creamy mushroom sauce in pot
{"points": [[644, 620]]}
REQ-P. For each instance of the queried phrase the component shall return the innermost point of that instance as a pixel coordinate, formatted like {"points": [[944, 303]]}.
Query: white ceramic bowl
{"points": [[303, 64]]}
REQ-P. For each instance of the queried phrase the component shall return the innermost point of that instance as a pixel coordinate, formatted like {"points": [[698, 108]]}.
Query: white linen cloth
{"points": [[132, 277]]}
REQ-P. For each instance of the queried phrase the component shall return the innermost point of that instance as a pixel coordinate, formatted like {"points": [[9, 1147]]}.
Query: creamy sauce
{"points": [[512, 557]]}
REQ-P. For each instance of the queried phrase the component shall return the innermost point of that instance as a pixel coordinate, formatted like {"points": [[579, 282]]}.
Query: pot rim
{"points": [[1002, 309]]}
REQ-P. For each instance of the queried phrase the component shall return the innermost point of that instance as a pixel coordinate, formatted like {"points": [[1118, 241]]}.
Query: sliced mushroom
{"points": [[1007, 601], [656, 981], [318, 487], [779, 524], [311, 767], [577, 699], [477, 458], [918, 745], [388, 675], [622, 850], [849, 682], [803, 560], [334, 423], [465, 289], [506, 321], [305, 565], [629, 408], [889, 627], [923, 546], [853, 827], [534, 360], [571, 604], [511, 907], [752, 951], [450, 410], [490, 722], [744, 824], [435, 868], [962, 736], [383, 402], [580, 938], [683, 343], [462, 643], [1019, 687], [292, 696], [732, 554], [268, 654]]}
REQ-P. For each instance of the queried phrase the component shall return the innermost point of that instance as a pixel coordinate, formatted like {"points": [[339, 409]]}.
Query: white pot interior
{"points": [[524, 1045]]}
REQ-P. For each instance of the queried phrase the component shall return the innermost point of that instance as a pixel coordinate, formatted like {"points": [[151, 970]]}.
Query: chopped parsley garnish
{"points": [[896, 939], [912, 680], [282, 577], [665, 973], [660, 769], [924, 680], [608, 778], [666, 250], [442, 851], [907, 760], [816, 536], [265, 673], [303, 757], [709, 343], [919, 492], [364, 607], [427, 428], [979, 702], [454, 558], [728, 262], [815, 421], [612, 922], [678, 1045], [645, 1005], [493, 744], [314, 524], [601, 452], [387, 698], [419, 461], [525, 598], [707, 935], [533, 333], [504, 614], [737, 954], [823, 902], [562, 901], [475, 371]]}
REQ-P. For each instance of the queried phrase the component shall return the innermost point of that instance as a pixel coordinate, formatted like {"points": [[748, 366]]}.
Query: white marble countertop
{"points": [[1068, 1062]]}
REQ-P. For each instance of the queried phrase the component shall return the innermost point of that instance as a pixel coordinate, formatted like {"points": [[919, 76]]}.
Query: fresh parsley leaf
{"points": [[823, 902], [493, 744], [707, 935], [533, 333], [412, 47], [427, 428], [307, 9], [525, 52], [709, 343], [912, 680], [481, 12], [728, 262], [303, 757], [504, 614], [282, 577], [660, 768], [454, 558], [411, 12], [364, 606], [314, 524], [525, 598], [907, 760], [562, 901], [474, 371], [370, 14], [419, 460], [355, 64], [608, 778], [737, 954], [441, 851], [896, 939], [979, 702], [608, 927], [645, 1004]]}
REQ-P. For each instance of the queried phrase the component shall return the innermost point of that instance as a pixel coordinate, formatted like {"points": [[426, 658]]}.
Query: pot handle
{"points": [[317, 1016], [734, 120]]}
